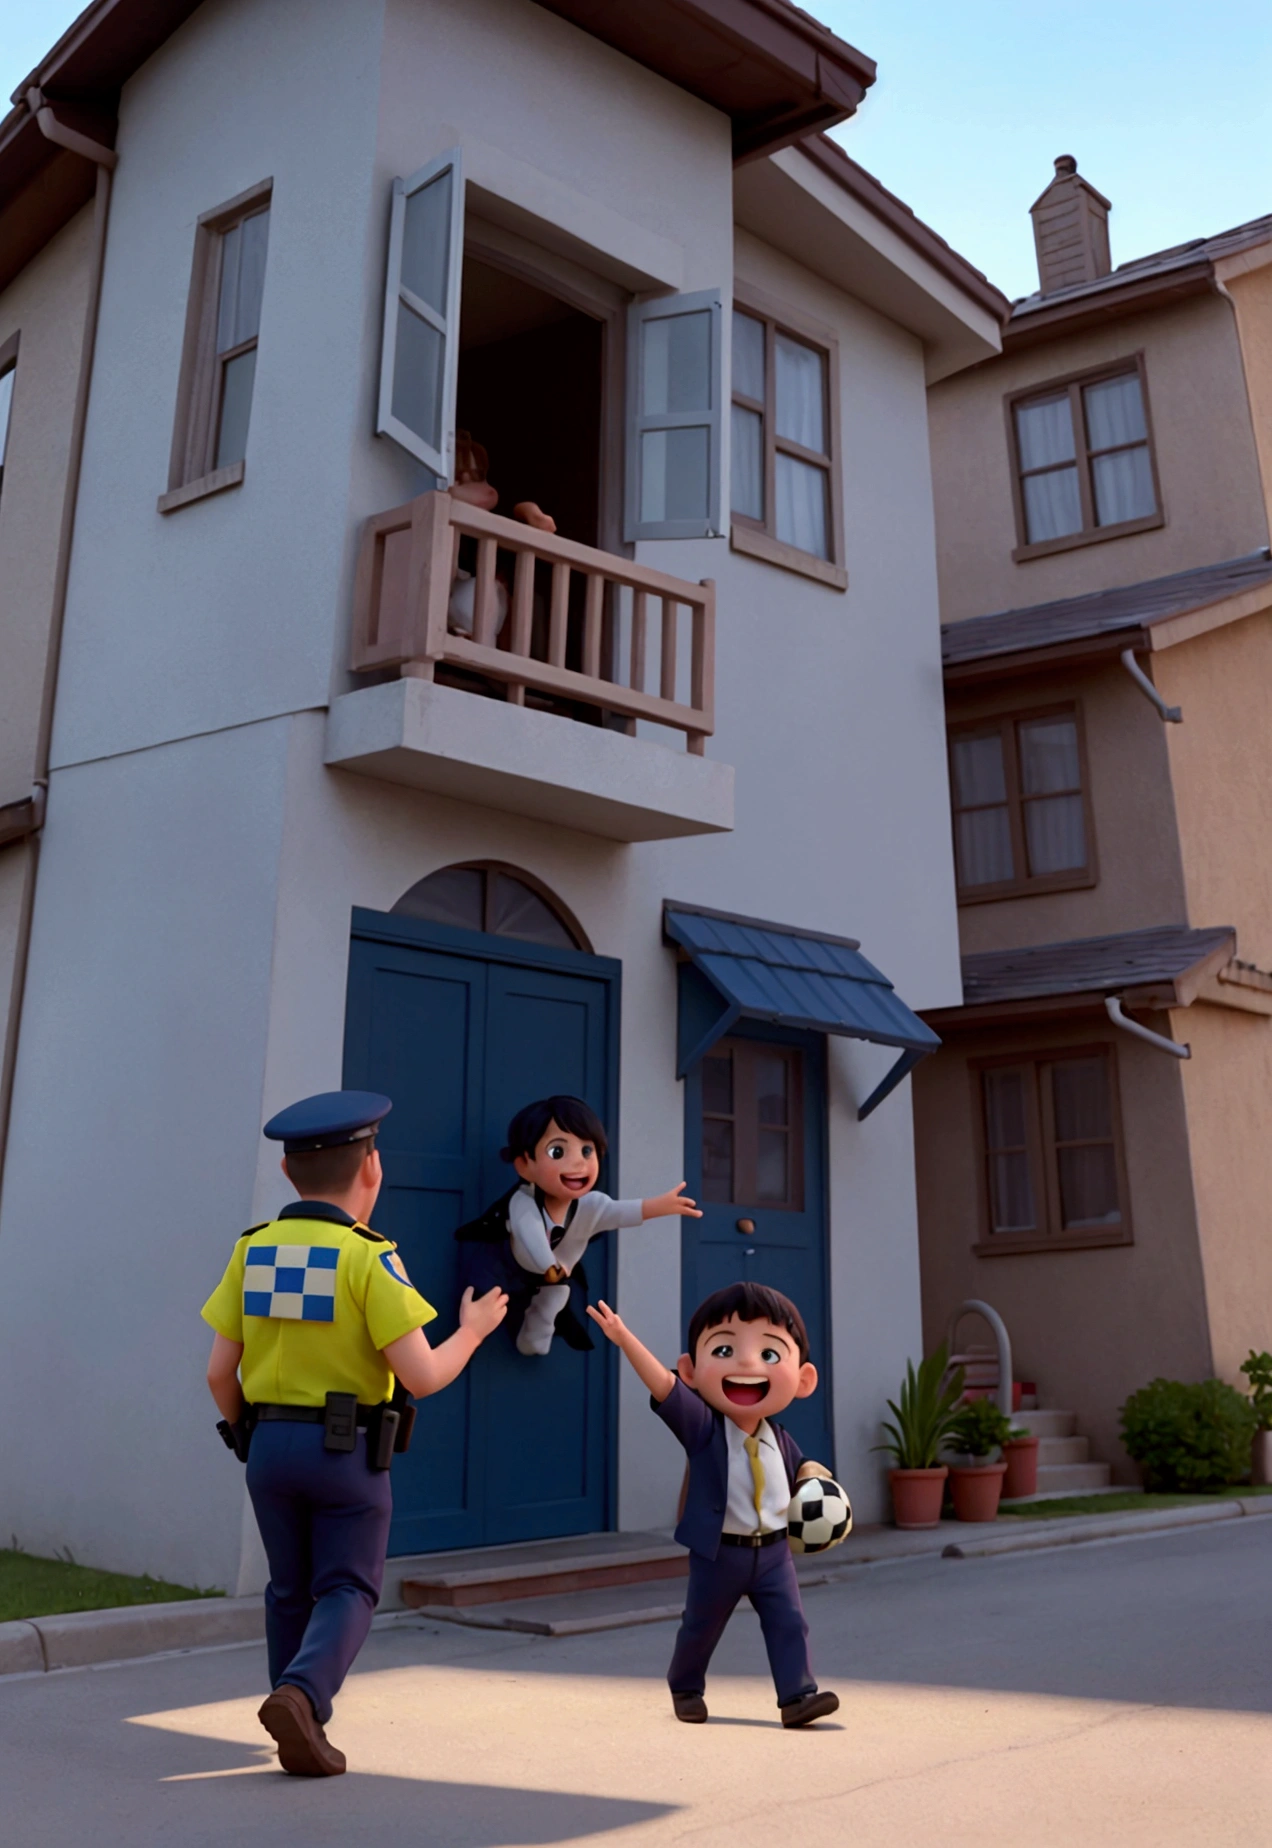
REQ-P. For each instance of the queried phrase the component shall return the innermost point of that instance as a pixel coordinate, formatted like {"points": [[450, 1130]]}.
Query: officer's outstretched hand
{"points": [[482, 1314]]}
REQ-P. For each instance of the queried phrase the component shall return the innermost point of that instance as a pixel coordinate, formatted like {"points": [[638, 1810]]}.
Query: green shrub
{"points": [[980, 1429], [1189, 1435], [1258, 1370]]}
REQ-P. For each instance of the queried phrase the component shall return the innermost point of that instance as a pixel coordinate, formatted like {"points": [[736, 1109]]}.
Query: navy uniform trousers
{"points": [[324, 1519], [765, 1575]]}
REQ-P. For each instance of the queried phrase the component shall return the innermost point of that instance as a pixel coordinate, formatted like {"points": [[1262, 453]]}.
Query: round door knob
{"points": [[747, 1227]]}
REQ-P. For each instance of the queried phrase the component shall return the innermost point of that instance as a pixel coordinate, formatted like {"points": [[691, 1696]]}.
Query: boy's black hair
{"points": [[749, 1302], [530, 1125]]}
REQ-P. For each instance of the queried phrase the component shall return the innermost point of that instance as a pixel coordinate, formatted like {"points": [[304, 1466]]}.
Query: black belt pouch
{"points": [[340, 1424], [381, 1436]]}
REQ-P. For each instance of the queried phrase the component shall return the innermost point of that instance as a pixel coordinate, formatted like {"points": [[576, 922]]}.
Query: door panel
{"points": [[460, 1032], [788, 1247]]}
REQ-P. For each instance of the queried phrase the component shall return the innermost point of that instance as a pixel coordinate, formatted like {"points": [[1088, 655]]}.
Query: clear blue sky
{"points": [[1167, 105]]}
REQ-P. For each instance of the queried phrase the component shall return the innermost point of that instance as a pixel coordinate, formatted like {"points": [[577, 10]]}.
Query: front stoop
{"points": [[498, 1575], [1064, 1457]]}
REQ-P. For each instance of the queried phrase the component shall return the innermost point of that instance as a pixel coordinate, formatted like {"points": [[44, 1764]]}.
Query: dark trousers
{"points": [[765, 1575], [324, 1518]]}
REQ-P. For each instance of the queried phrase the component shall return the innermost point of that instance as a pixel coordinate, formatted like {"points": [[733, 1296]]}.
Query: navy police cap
{"points": [[328, 1121]]}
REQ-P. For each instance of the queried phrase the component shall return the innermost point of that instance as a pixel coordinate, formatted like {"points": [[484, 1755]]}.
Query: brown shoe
{"points": [[303, 1747], [690, 1707], [809, 1707]]}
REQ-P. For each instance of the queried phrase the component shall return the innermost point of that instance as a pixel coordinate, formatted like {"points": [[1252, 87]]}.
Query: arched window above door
{"points": [[501, 900]]}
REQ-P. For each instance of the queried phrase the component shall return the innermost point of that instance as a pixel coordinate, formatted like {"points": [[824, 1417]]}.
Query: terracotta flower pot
{"points": [[917, 1495], [1261, 1457], [976, 1491], [1021, 1457]]}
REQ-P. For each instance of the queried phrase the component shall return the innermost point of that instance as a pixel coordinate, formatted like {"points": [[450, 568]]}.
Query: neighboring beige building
{"points": [[1102, 494]]}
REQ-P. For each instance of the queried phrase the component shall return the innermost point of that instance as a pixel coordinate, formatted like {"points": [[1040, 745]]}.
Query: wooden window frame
{"points": [[1044, 1169], [555, 904], [1071, 879], [745, 1157], [1072, 384], [191, 475], [758, 538]]}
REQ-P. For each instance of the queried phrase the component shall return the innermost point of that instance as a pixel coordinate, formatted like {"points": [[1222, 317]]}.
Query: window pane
{"points": [[517, 911], [772, 1082], [748, 463], [1055, 834], [1044, 432], [1010, 1183], [674, 482], [1080, 1099], [426, 243], [1088, 1187], [236, 408], [1005, 1109], [1048, 756], [717, 1160], [717, 1085], [677, 363], [748, 356], [982, 838], [801, 393], [1011, 1193], [454, 896], [242, 281], [417, 376], [6, 400], [1053, 506], [772, 1166], [1123, 484], [977, 762], [801, 506], [1115, 412]]}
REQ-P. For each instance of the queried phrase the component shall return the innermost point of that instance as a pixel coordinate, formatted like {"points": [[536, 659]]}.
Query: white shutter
{"points": [[674, 417], [420, 356]]}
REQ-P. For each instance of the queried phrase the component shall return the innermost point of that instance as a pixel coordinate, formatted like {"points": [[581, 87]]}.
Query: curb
{"points": [[86, 1639]]}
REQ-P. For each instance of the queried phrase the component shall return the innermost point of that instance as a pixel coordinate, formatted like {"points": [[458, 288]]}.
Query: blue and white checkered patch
{"points": [[292, 1283]]}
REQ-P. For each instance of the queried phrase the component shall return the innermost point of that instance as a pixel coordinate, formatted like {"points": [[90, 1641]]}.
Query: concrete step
{"points": [[496, 1575], [1073, 1478], [1048, 1423], [1054, 1451]]}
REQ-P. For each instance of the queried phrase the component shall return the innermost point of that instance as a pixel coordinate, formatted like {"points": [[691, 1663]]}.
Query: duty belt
{"points": [[307, 1414]]}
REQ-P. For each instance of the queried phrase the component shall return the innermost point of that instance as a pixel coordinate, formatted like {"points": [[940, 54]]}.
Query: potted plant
{"points": [[919, 1425], [1020, 1453], [1258, 1370], [978, 1432]]}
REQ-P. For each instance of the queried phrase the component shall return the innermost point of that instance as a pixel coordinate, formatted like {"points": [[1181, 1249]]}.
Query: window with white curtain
{"points": [[1083, 459], [1020, 811], [783, 439], [1052, 1149]]}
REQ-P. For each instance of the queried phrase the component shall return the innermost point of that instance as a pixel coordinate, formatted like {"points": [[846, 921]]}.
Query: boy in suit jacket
{"points": [[747, 1358]]}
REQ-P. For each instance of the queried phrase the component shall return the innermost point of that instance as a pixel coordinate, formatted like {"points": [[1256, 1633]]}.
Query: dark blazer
{"points": [[701, 1431]]}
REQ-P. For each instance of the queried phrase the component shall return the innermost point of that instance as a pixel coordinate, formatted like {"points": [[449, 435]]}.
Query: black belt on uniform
{"points": [[778, 1533], [307, 1414]]}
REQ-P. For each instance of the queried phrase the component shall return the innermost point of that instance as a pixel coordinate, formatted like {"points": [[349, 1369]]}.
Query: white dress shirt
{"points": [[739, 1510]]}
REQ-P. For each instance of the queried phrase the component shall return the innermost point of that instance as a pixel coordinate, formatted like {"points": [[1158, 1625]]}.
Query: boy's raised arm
{"points": [[656, 1377]]}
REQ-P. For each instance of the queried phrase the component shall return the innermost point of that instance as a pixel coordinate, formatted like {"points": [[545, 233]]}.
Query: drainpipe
{"points": [[1171, 715], [105, 159], [1113, 1008]]}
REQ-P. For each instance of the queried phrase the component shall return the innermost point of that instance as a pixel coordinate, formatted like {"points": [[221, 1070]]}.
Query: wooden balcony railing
{"points": [[577, 621]]}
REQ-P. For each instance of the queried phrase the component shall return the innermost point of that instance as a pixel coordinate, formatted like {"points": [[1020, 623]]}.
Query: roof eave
{"points": [[1085, 651], [1134, 295]]}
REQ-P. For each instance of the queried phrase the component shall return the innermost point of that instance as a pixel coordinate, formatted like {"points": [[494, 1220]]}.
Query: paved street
{"points": [[1112, 1693]]}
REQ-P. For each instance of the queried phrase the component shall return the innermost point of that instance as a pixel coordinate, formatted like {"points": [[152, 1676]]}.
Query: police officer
{"points": [[314, 1318]]}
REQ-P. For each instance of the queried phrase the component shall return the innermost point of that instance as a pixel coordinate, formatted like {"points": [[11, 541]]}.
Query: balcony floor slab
{"points": [[527, 763]]}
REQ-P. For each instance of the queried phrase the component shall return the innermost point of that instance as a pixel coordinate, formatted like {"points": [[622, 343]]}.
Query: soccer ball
{"points": [[819, 1516]]}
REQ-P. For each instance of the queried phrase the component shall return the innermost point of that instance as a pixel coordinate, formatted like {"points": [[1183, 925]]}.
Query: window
{"points": [[784, 477], [8, 372], [1083, 460], [1053, 1161], [214, 403], [501, 900], [752, 1124], [674, 417], [420, 350], [1020, 805]]}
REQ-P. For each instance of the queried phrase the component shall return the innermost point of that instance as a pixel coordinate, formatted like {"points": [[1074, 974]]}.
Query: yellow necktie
{"points": [[752, 1447]]}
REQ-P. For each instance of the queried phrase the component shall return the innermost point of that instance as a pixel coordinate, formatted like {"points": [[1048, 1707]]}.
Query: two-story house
{"points": [[1093, 1151], [355, 780]]}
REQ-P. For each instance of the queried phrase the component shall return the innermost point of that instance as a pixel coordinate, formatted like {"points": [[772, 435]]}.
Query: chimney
{"points": [[1071, 230]]}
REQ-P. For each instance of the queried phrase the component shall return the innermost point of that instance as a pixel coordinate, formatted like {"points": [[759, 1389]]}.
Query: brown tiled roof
{"points": [[1099, 612], [1198, 250], [1090, 965]]}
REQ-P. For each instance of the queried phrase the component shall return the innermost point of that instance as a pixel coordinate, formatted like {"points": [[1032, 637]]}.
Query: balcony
{"points": [[521, 685]]}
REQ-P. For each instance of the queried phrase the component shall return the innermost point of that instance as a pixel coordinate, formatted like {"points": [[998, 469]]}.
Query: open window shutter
{"points": [[674, 417], [420, 355]]}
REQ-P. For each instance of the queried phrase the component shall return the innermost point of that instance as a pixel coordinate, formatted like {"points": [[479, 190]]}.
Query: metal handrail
{"points": [[998, 1328]]}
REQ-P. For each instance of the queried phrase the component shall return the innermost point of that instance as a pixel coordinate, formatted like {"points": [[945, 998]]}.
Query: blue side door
{"points": [[755, 1156], [460, 1029]]}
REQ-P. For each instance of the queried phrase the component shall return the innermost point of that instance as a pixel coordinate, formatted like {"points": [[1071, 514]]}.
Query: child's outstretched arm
{"points": [[658, 1378], [674, 1204]]}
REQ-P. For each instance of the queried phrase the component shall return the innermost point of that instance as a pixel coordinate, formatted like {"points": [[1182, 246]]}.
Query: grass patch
{"points": [[1134, 1501], [31, 1587]]}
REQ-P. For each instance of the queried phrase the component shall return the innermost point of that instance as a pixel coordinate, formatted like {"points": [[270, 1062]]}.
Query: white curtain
{"points": [[801, 505], [1005, 1134], [1044, 433], [747, 482], [1053, 506], [748, 356], [982, 832], [1055, 831], [1115, 412], [801, 394], [1123, 484], [1083, 1115]]}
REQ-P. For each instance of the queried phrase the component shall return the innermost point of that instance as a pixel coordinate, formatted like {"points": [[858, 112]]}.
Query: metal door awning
{"points": [[749, 969]]}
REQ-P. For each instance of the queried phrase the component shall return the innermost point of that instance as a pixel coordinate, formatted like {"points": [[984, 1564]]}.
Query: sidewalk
{"points": [[83, 1639]]}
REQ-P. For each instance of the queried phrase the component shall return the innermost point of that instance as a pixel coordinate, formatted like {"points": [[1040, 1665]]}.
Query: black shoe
{"points": [[691, 1708], [809, 1707], [572, 1331]]}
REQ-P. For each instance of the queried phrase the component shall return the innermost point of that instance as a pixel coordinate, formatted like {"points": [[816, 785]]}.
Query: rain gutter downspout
{"points": [[1171, 715], [105, 160], [1113, 1008]]}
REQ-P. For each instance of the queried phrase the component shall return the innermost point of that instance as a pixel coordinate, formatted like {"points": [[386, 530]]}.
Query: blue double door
{"points": [[461, 1029]]}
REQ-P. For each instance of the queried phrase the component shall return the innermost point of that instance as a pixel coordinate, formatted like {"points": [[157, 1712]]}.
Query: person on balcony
{"points": [[474, 490]]}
